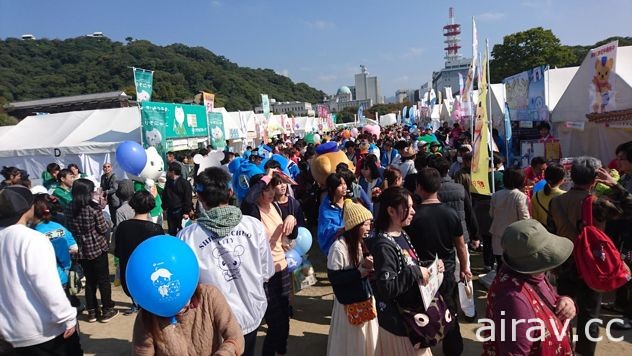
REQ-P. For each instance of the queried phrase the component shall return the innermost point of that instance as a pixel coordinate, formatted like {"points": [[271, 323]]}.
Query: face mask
{"points": [[459, 159]]}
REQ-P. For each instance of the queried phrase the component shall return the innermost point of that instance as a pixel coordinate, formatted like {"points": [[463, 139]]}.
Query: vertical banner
{"points": [[480, 161], [361, 118], [602, 90], [209, 101], [525, 95], [216, 129], [143, 80], [153, 127], [265, 105]]}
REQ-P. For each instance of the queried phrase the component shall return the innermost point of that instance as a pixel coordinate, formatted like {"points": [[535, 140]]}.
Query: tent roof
{"points": [[558, 80], [574, 103], [90, 131]]}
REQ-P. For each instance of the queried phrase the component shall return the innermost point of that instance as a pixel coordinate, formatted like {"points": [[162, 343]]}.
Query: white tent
{"points": [[593, 139], [86, 138]]}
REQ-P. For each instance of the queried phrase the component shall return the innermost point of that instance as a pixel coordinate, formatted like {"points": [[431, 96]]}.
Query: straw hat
{"points": [[355, 214]]}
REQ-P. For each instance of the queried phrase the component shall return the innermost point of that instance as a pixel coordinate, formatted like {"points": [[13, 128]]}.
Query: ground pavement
{"points": [[308, 328]]}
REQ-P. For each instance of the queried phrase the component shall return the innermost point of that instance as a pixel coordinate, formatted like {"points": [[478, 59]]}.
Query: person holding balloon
{"points": [[260, 204], [354, 327], [179, 316], [232, 250]]}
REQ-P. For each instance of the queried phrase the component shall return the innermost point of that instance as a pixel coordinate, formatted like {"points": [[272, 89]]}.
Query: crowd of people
{"points": [[393, 204]]}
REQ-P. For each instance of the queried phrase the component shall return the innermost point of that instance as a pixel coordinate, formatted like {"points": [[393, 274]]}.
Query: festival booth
{"points": [[87, 138], [581, 129]]}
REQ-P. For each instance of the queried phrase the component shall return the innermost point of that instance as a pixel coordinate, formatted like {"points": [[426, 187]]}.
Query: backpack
{"points": [[598, 261]]}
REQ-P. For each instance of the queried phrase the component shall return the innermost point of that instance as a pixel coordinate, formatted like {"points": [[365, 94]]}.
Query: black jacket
{"points": [[177, 195], [396, 283], [454, 195]]}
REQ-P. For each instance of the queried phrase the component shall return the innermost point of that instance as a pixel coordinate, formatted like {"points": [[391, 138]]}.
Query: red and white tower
{"points": [[451, 33]]}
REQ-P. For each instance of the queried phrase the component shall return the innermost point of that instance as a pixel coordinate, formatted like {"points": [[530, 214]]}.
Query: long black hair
{"points": [[82, 190], [393, 197], [333, 182]]}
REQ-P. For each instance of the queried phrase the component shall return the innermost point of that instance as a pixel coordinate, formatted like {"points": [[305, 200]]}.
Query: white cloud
{"points": [[491, 16], [327, 78], [284, 72], [320, 24], [216, 3], [412, 52]]}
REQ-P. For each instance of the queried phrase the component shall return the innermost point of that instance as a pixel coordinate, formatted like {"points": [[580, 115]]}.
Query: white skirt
{"points": [[347, 339]]}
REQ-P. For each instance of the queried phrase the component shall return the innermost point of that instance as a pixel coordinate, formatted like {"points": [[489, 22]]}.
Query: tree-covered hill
{"points": [[37, 69]]}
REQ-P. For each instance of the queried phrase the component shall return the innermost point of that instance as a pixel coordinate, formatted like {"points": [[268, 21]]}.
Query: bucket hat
{"points": [[529, 248]]}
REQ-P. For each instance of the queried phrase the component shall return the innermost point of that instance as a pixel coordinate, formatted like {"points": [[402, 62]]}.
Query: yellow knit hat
{"points": [[355, 214]]}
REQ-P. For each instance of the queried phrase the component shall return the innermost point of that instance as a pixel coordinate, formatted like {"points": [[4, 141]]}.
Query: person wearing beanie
{"points": [[35, 315], [348, 269]]}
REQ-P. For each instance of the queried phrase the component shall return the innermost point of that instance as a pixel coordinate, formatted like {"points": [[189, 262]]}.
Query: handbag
{"points": [[361, 312], [75, 275], [426, 327], [354, 294]]}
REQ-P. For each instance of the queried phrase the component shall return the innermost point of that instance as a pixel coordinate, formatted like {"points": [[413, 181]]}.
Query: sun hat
{"points": [[355, 214], [529, 248], [15, 200]]}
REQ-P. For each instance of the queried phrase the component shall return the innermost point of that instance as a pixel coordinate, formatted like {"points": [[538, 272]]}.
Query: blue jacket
{"points": [[329, 223], [365, 185], [62, 240], [385, 155]]}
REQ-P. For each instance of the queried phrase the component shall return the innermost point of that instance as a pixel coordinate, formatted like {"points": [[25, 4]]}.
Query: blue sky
{"points": [[320, 42]]}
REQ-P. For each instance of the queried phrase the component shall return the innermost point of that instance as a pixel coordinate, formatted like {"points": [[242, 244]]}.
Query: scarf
{"points": [[220, 220]]}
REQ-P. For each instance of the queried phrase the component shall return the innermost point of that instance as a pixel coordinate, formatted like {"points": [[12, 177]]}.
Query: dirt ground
{"points": [[310, 325]]}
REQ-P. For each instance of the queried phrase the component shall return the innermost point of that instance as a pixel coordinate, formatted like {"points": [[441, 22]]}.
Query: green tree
{"points": [[347, 114], [527, 49]]}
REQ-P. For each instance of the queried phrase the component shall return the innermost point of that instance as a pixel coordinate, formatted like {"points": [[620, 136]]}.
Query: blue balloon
{"points": [[303, 241], [162, 275], [293, 259], [131, 157], [539, 186]]}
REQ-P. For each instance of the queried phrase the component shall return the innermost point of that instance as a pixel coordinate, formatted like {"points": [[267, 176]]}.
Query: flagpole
{"points": [[489, 114]]}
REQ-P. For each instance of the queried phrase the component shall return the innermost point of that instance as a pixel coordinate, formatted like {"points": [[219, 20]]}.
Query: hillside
{"points": [[51, 68]]}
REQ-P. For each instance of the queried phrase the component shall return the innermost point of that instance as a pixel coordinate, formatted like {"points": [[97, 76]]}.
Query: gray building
{"points": [[367, 87]]}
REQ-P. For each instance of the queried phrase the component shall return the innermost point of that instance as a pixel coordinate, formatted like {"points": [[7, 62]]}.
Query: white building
{"points": [[367, 87], [344, 99], [299, 108]]}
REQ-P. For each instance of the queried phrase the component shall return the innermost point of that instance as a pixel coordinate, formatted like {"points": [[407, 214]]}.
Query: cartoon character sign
{"points": [[229, 261], [154, 138], [178, 127], [601, 83]]}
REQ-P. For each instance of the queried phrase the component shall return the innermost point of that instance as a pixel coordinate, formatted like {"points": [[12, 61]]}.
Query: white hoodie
{"points": [[33, 306], [238, 265]]}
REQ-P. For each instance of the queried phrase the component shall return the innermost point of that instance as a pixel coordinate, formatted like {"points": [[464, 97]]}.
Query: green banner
{"points": [[153, 125], [181, 121], [265, 105], [216, 129], [143, 79]]}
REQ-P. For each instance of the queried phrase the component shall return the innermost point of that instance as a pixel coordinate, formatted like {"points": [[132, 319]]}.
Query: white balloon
{"points": [[213, 159]]}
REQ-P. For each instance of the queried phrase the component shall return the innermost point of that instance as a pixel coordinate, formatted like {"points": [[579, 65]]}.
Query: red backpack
{"points": [[598, 261]]}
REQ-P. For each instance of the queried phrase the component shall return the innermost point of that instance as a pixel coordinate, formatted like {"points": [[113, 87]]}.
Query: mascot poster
{"points": [[525, 95], [162, 122], [216, 130], [153, 125], [601, 90]]}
